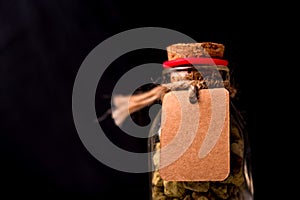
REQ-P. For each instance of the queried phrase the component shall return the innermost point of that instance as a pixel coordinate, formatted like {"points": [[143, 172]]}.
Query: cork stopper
{"points": [[195, 50]]}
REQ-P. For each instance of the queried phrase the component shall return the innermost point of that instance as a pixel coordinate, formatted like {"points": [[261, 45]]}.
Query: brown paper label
{"points": [[195, 137]]}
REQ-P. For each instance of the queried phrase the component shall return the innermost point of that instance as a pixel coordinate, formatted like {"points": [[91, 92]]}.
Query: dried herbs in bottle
{"points": [[193, 68]]}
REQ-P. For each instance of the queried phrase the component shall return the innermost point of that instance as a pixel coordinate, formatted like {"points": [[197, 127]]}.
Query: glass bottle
{"points": [[238, 185]]}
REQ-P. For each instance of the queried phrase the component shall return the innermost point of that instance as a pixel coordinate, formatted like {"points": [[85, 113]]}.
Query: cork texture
{"points": [[200, 49], [194, 145]]}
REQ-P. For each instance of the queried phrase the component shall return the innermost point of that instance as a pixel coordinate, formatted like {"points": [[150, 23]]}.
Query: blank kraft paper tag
{"points": [[195, 137]]}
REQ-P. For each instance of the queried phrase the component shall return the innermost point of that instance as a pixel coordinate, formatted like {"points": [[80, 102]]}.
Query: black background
{"points": [[42, 45]]}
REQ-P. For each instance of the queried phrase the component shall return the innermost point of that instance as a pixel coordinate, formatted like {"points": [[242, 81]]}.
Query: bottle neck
{"points": [[213, 76]]}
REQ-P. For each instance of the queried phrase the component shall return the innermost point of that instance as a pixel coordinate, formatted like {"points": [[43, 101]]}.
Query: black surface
{"points": [[42, 45]]}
